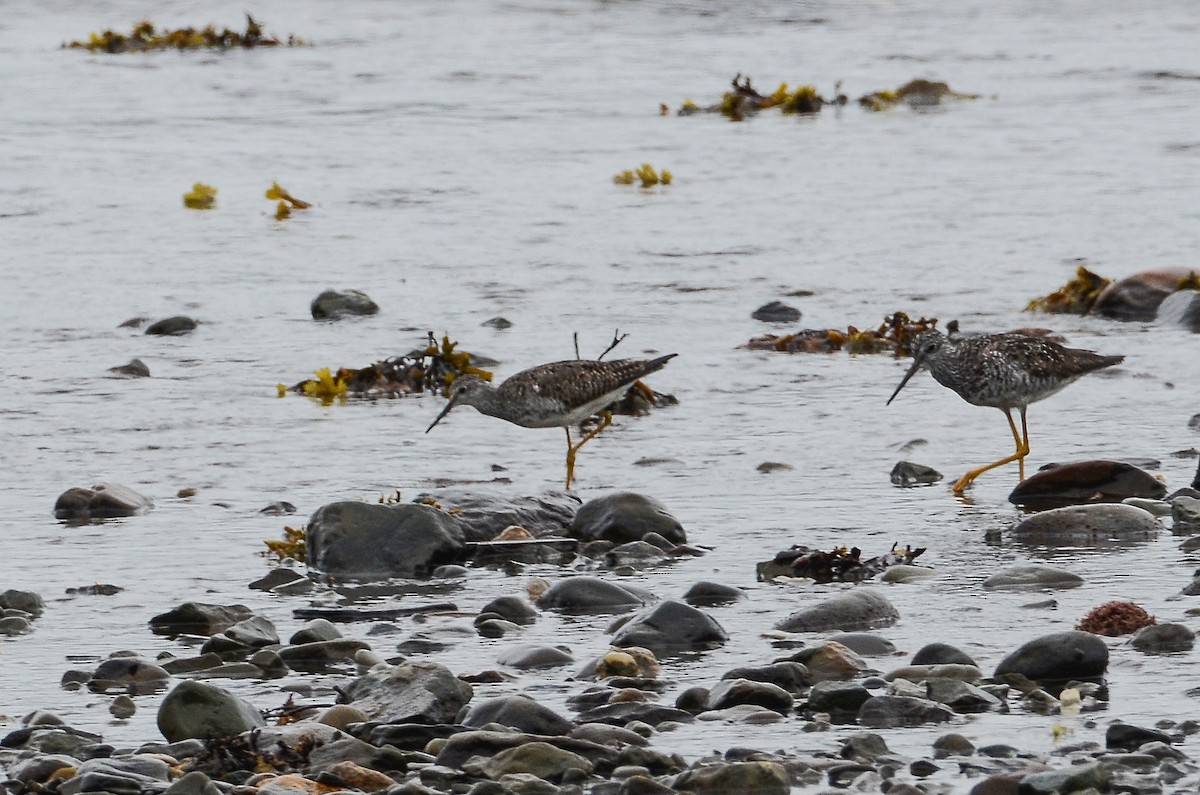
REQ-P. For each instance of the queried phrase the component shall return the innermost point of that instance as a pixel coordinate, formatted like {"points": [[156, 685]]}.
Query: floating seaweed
{"points": [[744, 100], [894, 335], [1073, 298], [201, 197], [1116, 618], [915, 93], [839, 565], [646, 173], [287, 202], [144, 37], [293, 545], [432, 368]]}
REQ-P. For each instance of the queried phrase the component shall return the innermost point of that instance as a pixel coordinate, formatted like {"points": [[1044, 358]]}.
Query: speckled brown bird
{"points": [[557, 394], [1005, 371]]}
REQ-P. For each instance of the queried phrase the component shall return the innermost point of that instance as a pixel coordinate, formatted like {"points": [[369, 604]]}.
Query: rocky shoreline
{"points": [[357, 718]]}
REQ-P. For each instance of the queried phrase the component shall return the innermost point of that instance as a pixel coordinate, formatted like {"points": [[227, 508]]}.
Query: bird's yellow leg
{"points": [[570, 458], [961, 484], [573, 449]]}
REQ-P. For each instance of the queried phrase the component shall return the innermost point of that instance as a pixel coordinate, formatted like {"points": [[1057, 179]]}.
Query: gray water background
{"points": [[459, 156]]}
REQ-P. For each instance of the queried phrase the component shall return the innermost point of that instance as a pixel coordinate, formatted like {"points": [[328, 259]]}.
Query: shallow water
{"points": [[459, 157]]}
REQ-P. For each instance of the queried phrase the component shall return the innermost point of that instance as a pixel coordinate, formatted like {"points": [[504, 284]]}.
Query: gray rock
{"points": [[1127, 737], [198, 618], [885, 712], [15, 625], [1181, 308], [1031, 576], [135, 368], [318, 629], [530, 656], [463, 745], [102, 501], [837, 697], [830, 661], [585, 594], [625, 516], [1156, 507], [193, 783], [412, 692], [512, 608], [122, 707], [519, 712], [941, 654], [1160, 638], [906, 474], [204, 711], [37, 769], [1078, 778], [735, 692], [25, 601], [484, 514], [319, 654], [251, 633], [722, 778], [919, 673], [860, 609], [1101, 523], [281, 580], [1185, 513], [671, 627], [1139, 296], [174, 326], [538, 758], [137, 674], [960, 696], [712, 594], [791, 676], [952, 744], [776, 312], [864, 747], [1058, 656], [187, 665], [335, 304], [361, 540], [625, 713]]}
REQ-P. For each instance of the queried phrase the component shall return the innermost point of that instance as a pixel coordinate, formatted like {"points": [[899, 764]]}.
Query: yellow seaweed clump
{"points": [[894, 335], [1189, 282], [1073, 298], [914, 93], [805, 99], [287, 202], [646, 175], [200, 197], [292, 545], [433, 367], [144, 37]]}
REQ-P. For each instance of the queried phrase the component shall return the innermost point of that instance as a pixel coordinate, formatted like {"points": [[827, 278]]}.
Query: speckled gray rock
{"points": [[1185, 514], [1088, 524], [411, 692], [203, 711], [960, 696], [1058, 656], [671, 627], [1031, 576], [1161, 638], [860, 609], [336, 304], [1094, 777], [625, 516], [361, 540]]}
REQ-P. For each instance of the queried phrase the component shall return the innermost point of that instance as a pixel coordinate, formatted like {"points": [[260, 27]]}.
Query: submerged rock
{"points": [[625, 516], [907, 474], [174, 326], [1102, 523], [361, 540], [336, 304], [1083, 482], [102, 501], [776, 312], [198, 618], [1032, 576], [1162, 638], [860, 609], [136, 368], [586, 594]]}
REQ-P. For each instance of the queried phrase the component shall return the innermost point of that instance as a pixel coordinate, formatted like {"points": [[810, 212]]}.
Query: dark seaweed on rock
{"points": [[145, 38], [839, 565], [894, 335], [242, 752]]}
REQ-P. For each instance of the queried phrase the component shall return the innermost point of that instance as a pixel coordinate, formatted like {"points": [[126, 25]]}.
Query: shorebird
{"points": [[1006, 371], [555, 395]]}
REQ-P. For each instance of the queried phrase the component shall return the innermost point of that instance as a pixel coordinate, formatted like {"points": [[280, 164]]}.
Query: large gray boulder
{"points": [[364, 541], [204, 711], [623, 517], [412, 692], [1058, 657], [860, 609], [1098, 524]]}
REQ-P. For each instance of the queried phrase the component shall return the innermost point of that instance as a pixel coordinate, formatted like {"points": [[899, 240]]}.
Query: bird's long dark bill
{"points": [[916, 365], [445, 411]]}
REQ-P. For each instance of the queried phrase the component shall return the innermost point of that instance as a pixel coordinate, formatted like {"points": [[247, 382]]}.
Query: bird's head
{"points": [[462, 391], [924, 345]]}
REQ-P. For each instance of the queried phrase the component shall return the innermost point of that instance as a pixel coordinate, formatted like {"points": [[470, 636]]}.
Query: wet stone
{"points": [[1057, 657], [867, 644], [776, 312], [27, 602], [859, 609], [880, 712], [410, 692], [712, 594], [830, 661], [1185, 513], [837, 697], [202, 711], [734, 692], [174, 326], [671, 627], [198, 618], [1139, 296], [361, 540], [1032, 576], [1162, 638], [512, 608], [906, 474], [1088, 524], [941, 654], [103, 501], [518, 712], [1085, 482], [336, 304], [791, 676], [135, 368], [625, 516], [527, 657], [586, 594], [317, 629]]}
